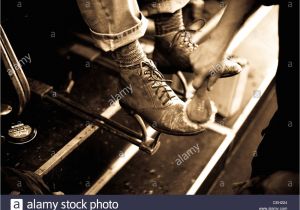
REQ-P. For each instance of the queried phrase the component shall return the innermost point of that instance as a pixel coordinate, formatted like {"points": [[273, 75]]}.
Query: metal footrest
{"points": [[145, 142]]}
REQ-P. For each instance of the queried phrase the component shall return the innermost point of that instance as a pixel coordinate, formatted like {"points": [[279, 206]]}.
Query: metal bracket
{"points": [[143, 141]]}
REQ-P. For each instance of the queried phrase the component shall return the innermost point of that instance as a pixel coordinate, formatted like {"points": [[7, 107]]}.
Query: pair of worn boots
{"points": [[151, 97]]}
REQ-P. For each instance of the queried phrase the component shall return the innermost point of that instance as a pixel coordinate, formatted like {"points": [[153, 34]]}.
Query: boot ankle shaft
{"points": [[166, 23], [130, 54]]}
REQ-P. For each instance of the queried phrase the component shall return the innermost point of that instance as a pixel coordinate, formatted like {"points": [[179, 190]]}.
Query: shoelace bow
{"points": [[158, 80]]}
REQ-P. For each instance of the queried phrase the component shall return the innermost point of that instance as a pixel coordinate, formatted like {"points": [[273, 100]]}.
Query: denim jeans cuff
{"points": [[111, 42], [163, 6]]}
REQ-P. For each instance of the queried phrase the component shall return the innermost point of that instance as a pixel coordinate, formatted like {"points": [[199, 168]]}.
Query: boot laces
{"points": [[185, 35], [158, 81], [184, 38]]}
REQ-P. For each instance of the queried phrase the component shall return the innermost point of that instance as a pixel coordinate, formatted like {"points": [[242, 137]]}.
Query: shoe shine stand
{"points": [[109, 171]]}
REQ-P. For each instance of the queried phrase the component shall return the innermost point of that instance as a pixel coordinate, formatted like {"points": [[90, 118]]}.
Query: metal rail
{"points": [[14, 71]]}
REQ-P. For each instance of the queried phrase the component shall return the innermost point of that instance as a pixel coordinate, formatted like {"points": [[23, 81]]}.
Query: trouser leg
{"points": [[113, 23], [154, 7]]}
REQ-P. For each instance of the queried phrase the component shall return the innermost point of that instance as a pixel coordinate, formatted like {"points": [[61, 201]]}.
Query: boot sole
{"points": [[132, 112]]}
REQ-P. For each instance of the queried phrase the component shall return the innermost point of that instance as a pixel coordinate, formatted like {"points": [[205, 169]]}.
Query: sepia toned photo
{"points": [[149, 97]]}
